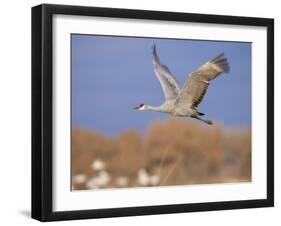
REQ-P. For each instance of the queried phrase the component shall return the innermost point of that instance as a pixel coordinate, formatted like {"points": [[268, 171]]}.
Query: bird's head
{"points": [[141, 107]]}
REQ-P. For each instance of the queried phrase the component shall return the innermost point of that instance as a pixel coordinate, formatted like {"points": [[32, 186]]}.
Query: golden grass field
{"points": [[171, 152]]}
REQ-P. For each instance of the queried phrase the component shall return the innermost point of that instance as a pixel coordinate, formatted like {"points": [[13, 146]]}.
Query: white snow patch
{"points": [[143, 177], [101, 180], [98, 165], [79, 179], [122, 181]]}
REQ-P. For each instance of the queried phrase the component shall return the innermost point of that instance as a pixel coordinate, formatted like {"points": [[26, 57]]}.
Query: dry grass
{"points": [[172, 152]]}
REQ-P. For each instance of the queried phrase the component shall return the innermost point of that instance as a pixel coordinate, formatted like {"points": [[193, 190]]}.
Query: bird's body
{"points": [[184, 101]]}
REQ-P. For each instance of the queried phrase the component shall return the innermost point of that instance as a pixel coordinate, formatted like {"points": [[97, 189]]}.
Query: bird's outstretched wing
{"points": [[197, 83], [169, 84]]}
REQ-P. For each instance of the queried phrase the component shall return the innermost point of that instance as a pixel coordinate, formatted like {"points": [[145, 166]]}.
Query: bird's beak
{"points": [[136, 108]]}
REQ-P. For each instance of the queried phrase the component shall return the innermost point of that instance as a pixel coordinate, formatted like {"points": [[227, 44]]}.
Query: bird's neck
{"points": [[155, 108]]}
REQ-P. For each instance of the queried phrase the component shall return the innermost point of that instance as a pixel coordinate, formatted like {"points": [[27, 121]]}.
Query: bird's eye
{"points": [[141, 105]]}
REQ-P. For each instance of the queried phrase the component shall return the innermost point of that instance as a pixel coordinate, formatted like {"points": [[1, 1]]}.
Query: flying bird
{"points": [[184, 101]]}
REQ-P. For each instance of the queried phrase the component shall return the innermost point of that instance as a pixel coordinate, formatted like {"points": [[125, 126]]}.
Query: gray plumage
{"points": [[168, 82], [184, 102]]}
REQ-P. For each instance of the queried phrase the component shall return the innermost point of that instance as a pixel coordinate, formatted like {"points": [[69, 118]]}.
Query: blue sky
{"points": [[111, 75]]}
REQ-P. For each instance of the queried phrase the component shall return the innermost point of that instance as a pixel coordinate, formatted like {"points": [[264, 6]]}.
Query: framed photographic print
{"points": [[145, 112]]}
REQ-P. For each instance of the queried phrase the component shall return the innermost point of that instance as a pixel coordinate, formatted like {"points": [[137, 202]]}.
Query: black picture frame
{"points": [[42, 107]]}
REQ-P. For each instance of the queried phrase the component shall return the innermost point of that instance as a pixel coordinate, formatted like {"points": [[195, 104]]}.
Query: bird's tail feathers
{"points": [[200, 113]]}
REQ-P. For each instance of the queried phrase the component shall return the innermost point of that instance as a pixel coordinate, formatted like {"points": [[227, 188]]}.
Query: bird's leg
{"points": [[209, 122]]}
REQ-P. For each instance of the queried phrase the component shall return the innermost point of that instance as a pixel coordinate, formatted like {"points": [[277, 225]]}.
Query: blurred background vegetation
{"points": [[171, 152]]}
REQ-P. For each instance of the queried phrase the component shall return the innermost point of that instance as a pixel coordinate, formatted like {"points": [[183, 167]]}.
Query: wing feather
{"points": [[168, 82], [197, 83]]}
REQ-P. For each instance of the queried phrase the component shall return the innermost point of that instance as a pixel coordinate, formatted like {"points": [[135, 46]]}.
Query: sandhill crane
{"points": [[183, 102]]}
